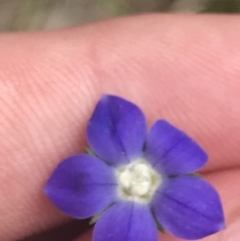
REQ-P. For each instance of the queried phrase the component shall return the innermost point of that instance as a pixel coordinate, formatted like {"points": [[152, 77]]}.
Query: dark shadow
{"points": [[67, 232]]}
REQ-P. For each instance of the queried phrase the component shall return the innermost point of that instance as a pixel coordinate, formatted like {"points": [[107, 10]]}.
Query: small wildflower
{"points": [[134, 181]]}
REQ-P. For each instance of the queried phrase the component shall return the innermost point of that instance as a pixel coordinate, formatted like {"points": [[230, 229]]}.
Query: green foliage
{"points": [[30, 15], [117, 7], [222, 6]]}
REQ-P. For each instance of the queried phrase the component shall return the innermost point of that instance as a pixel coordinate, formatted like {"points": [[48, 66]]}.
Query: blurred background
{"points": [[28, 15]]}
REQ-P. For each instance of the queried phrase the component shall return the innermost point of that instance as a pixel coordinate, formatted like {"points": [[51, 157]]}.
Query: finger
{"points": [[230, 197], [51, 81], [175, 73]]}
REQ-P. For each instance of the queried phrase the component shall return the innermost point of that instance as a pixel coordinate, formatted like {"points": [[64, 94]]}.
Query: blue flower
{"points": [[136, 179]]}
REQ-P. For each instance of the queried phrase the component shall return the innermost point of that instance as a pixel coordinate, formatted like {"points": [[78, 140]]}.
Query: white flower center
{"points": [[137, 181]]}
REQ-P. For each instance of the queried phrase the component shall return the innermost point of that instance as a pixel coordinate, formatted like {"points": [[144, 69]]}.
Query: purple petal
{"points": [[82, 186], [171, 151], [116, 130], [126, 221], [188, 207]]}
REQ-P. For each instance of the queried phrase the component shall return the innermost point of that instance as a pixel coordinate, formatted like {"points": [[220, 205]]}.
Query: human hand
{"points": [[184, 69]]}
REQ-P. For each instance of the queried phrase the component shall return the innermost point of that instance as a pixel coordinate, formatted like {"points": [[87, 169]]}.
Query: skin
{"points": [[185, 69]]}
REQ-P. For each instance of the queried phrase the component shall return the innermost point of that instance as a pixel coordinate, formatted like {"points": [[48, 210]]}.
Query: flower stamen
{"points": [[137, 181]]}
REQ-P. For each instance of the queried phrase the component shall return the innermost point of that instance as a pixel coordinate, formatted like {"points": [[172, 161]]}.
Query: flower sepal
{"points": [[159, 226], [89, 151], [95, 218]]}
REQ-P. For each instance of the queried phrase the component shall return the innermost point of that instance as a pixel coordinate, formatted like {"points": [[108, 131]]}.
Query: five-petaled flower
{"points": [[136, 179]]}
